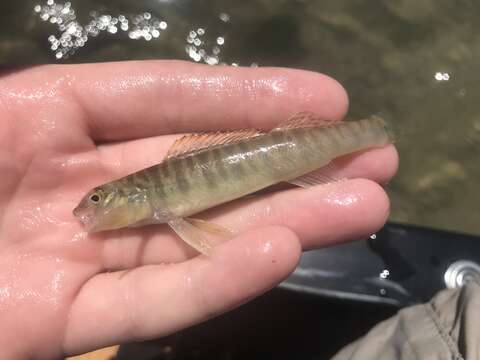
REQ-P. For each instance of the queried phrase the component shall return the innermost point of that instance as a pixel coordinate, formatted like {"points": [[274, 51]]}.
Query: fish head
{"points": [[107, 208]]}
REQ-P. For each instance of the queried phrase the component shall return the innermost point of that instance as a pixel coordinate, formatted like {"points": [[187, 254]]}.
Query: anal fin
{"points": [[325, 175]]}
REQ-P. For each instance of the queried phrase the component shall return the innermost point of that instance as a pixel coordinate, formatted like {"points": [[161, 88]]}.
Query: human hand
{"points": [[65, 129]]}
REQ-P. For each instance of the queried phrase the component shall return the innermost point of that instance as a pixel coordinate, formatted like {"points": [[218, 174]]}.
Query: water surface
{"points": [[414, 61]]}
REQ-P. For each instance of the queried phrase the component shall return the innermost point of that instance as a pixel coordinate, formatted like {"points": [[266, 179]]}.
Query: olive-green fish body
{"points": [[185, 184]]}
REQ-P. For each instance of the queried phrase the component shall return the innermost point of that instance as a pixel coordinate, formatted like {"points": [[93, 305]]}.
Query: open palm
{"points": [[65, 129]]}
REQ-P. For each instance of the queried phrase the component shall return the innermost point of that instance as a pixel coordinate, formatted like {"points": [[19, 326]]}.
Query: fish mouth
{"points": [[86, 217]]}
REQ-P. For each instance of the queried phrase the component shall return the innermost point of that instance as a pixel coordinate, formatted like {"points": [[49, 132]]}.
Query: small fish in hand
{"points": [[205, 170]]}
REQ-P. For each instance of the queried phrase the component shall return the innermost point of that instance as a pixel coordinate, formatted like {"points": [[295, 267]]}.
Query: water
{"points": [[414, 61]]}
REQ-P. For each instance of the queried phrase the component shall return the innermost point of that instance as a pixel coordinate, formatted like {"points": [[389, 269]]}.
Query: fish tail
{"points": [[388, 125]]}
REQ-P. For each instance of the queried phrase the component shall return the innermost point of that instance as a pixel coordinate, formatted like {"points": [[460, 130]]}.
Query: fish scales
{"points": [[185, 184], [210, 177]]}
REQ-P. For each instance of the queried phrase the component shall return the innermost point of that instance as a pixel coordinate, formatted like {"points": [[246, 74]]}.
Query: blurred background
{"points": [[412, 61]]}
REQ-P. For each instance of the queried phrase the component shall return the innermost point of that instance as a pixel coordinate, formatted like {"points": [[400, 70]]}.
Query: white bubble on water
{"points": [[442, 76]]}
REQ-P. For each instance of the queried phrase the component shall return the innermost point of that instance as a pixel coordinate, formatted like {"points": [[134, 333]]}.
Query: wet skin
{"points": [[65, 129]]}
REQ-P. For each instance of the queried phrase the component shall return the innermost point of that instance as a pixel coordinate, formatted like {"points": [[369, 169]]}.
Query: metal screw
{"points": [[461, 272]]}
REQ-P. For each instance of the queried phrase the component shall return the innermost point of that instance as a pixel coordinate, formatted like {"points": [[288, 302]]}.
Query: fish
{"points": [[205, 170]]}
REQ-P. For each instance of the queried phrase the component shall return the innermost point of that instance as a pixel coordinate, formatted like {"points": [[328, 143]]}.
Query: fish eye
{"points": [[95, 198]]}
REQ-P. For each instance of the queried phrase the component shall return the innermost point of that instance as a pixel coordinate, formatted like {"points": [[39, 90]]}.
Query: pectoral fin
{"points": [[211, 228], [191, 235]]}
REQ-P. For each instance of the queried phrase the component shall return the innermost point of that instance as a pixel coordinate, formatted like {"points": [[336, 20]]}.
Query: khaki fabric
{"points": [[446, 328]]}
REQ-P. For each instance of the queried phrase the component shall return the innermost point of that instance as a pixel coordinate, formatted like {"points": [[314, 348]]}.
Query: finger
{"points": [[320, 216], [379, 164], [154, 301], [131, 100]]}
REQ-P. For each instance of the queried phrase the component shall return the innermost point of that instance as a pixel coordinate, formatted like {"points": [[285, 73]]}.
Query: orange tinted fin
{"points": [[191, 235], [325, 175], [211, 227], [195, 142], [304, 120]]}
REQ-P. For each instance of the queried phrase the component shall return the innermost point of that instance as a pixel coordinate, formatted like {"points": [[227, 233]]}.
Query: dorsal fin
{"points": [[304, 119], [195, 142]]}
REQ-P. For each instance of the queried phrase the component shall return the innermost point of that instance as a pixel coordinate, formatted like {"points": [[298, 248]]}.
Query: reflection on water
{"points": [[73, 35], [414, 61]]}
